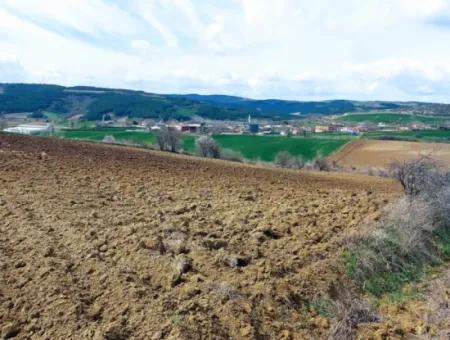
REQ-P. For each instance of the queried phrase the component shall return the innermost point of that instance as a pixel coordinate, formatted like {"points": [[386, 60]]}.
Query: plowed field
{"points": [[379, 153], [109, 242]]}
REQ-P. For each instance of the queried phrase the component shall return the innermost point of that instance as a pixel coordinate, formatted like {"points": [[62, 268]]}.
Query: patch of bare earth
{"points": [[380, 153], [112, 243]]}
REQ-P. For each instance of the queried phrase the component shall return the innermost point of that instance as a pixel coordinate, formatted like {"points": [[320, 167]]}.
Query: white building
{"points": [[28, 129]]}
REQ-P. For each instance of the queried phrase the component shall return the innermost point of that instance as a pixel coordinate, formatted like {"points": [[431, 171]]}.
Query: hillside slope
{"points": [[94, 102], [101, 241]]}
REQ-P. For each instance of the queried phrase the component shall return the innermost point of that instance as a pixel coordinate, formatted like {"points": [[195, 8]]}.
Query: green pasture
{"points": [[266, 147]]}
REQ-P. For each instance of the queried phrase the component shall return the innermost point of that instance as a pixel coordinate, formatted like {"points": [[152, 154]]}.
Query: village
{"points": [[25, 124]]}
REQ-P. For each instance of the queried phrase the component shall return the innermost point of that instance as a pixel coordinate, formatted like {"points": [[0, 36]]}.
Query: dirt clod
{"points": [[10, 330]]}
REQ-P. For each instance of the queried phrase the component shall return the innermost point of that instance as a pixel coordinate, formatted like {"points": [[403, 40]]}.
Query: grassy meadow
{"points": [[137, 136], [265, 148]]}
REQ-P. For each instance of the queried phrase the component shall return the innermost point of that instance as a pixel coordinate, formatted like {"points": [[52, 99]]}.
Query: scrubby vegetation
{"points": [[208, 147], [168, 139], [412, 234]]}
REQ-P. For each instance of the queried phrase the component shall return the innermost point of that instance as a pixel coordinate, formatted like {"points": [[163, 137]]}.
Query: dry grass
{"points": [[349, 311], [412, 234]]}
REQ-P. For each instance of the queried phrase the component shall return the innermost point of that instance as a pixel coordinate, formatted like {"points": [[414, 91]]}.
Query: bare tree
{"points": [[421, 175], [174, 140], [168, 139], [161, 138], [208, 147]]}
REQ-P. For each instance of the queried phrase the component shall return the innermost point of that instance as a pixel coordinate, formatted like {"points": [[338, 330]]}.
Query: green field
{"points": [[391, 118], [262, 148], [133, 135], [120, 134], [266, 147], [441, 136]]}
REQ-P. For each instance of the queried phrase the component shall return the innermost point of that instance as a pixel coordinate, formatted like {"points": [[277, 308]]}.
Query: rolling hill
{"points": [[93, 102]]}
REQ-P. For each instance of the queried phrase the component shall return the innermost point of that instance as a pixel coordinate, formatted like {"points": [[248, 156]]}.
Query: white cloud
{"points": [[299, 49], [10, 69]]}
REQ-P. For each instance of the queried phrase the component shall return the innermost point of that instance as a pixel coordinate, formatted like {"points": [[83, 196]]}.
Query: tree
{"points": [[168, 139], [208, 147], [418, 176], [174, 140]]}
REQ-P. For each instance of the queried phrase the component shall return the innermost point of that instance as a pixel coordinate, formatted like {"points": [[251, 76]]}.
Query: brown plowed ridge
{"points": [[379, 153], [89, 233]]}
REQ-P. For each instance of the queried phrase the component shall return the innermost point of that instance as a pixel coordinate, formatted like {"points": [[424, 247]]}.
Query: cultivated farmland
{"points": [[101, 241], [379, 153]]}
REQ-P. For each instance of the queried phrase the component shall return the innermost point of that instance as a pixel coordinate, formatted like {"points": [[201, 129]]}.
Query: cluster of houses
{"points": [[291, 128], [261, 127]]}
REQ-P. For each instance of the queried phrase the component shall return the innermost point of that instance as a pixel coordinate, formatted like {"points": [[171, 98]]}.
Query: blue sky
{"points": [[293, 49]]}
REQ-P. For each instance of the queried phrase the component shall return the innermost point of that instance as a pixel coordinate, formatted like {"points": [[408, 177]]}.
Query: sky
{"points": [[287, 49]]}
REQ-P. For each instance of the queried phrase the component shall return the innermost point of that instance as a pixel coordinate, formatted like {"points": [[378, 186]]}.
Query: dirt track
{"points": [[111, 243], [379, 153]]}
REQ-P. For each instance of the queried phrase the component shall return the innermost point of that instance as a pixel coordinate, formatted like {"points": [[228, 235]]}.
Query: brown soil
{"points": [[424, 315], [111, 242], [379, 153]]}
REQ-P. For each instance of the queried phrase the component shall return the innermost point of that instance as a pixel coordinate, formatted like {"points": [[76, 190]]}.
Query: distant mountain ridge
{"points": [[94, 102]]}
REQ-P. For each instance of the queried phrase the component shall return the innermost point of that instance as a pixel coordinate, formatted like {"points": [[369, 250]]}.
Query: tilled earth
{"points": [[109, 242]]}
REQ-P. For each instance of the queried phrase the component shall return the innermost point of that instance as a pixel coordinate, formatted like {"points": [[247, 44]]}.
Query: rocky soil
{"points": [[104, 242]]}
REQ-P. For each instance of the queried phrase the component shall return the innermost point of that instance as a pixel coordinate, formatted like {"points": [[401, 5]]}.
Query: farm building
{"points": [[190, 128], [29, 129], [321, 128]]}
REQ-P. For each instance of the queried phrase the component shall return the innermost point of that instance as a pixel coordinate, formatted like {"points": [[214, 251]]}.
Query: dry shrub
{"points": [[419, 176], [349, 311], [208, 147], [284, 159], [231, 155], [412, 234], [321, 164]]}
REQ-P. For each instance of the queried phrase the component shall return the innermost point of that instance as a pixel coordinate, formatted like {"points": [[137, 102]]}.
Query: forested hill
{"points": [[93, 102]]}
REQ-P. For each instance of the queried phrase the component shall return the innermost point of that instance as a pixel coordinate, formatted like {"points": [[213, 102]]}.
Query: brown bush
{"points": [[349, 311], [208, 147], [418, 176]]}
